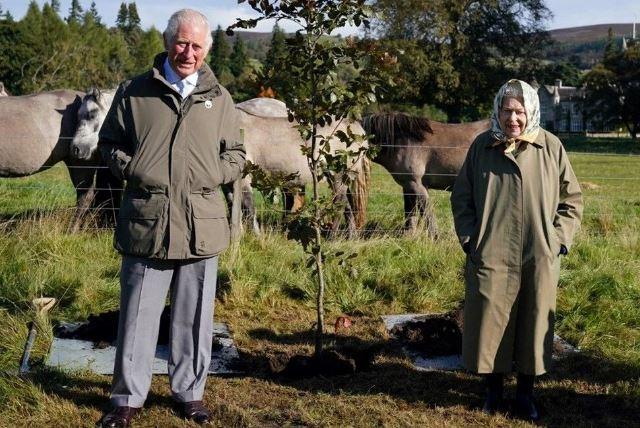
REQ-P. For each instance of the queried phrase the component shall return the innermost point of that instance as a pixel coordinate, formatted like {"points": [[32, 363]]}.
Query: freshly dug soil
{"points": [[331, 362], [433, 335], [102, 329], [562, 348], [441, 334]]}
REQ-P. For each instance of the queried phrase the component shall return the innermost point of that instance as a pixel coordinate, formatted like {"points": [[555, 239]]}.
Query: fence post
{"points": [[236, 211]]}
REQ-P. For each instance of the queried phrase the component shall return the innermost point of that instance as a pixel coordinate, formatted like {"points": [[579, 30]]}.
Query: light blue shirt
{"points": [[183, 86]]}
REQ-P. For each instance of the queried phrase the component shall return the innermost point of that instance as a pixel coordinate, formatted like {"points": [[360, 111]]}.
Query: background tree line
{"points": [[451, 55], [613, 87], [45, 51]]}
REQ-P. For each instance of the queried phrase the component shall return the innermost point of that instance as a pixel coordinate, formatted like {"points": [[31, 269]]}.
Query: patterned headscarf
{"points": [[519, 89]]}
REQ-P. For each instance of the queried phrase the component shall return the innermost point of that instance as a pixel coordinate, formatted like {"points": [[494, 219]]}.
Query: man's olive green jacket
{"points": [[174, 154]]}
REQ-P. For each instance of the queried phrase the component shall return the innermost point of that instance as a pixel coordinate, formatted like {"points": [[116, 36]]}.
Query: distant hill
{"points": [[257, 42], [252, 35], [587, 33], [583, 46], [590, 33]]}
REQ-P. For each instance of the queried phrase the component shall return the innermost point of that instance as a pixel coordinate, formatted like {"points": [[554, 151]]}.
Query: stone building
{"points": [[561, 107]]}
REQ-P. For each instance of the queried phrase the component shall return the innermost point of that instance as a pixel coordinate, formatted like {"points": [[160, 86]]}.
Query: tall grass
{"points": [[267, 284], [599, 288]]}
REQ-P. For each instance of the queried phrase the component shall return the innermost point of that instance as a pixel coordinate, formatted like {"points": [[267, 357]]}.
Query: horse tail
{"points": [[360, 190]]}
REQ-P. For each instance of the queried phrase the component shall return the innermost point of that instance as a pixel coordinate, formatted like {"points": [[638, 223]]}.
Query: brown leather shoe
{"points": [[118, 417], [196, 411]]}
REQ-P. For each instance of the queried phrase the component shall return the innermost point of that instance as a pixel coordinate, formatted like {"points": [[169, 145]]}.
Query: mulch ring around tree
{"points": [[432, 335], [343, 360]]}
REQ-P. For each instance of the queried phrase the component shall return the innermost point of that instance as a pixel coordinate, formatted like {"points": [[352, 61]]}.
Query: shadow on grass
{"points": [[372, 229], [86, 392], [595, 370], [378, 229], [583, 390]]}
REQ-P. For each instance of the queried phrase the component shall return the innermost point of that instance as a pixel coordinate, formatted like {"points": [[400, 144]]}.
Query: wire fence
{"points": [[609, 196]]}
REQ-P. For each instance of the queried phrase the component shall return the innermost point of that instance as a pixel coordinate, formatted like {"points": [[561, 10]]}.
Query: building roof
{"points": [[563, 93]]}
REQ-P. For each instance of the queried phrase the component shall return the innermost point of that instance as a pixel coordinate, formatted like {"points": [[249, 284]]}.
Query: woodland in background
{"points": [[43, 51], [451, 57]]}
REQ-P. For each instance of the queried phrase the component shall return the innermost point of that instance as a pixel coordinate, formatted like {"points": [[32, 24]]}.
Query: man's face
{"points": [[186, 51]]}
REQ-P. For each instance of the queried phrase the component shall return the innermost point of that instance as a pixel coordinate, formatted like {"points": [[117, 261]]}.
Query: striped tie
{"points": [[181, 88]]}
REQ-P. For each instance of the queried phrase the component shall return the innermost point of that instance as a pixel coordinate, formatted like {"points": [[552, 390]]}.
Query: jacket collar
{"points": [[539, 142], [207, 86]]}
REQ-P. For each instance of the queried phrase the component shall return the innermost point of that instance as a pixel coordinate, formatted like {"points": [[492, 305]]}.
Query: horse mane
{"points": [[392, 127], [102, 97]]}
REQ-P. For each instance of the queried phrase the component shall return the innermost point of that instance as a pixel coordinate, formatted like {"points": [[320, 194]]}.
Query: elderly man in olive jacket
{"points": [[172, 133]]}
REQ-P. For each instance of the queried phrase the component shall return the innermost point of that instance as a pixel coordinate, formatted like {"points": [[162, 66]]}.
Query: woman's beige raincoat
{"points": [[514, 210]]}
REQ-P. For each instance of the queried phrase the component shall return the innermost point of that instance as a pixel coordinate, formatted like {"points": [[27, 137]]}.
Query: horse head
{"points": [[91, 115]]}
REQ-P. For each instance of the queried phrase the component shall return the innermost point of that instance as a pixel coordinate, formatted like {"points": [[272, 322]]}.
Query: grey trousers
{"points": [[144, 287]]}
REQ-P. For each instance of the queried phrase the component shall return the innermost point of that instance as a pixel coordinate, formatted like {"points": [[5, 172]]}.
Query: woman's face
{"points": [[513, 117]]}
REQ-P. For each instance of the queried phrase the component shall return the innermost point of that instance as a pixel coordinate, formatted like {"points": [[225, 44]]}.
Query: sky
{"points": [[567, 13]]}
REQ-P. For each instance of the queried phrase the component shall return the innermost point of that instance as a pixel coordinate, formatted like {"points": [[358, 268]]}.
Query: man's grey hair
{"points": [[188, 16]]}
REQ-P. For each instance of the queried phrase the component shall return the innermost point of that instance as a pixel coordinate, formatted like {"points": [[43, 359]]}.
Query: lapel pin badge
{"points": [[208, 104]]}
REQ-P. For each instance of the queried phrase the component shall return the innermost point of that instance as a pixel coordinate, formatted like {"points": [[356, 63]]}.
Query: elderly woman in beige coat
{"points": [[516, 205]]}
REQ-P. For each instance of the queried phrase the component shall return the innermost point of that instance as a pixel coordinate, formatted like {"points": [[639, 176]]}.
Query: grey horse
{"points": [[35, 134], [421, 154], [271, 141], [91, 114], [274, 144], [108, 189]]}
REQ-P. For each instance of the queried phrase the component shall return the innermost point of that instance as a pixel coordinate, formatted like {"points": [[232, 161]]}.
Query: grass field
{"points": [[267, 297]]}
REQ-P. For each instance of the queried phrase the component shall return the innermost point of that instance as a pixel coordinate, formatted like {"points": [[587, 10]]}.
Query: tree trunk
{"points": [[320, 298], [317, 250]]}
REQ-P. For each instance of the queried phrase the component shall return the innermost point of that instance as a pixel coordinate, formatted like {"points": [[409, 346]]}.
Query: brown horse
{"points": [[421, 154]]}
